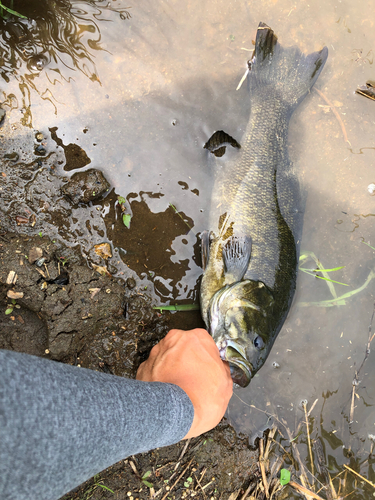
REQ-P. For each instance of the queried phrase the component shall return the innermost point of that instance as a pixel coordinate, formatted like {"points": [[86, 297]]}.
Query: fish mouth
{"points": [[240, 367]]}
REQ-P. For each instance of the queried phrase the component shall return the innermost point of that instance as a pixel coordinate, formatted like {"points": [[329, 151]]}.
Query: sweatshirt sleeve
{"points": [[61, 425]]}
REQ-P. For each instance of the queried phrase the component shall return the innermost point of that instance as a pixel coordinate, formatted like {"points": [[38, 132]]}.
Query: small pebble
{"points": [[371, 189], [130, 283]]}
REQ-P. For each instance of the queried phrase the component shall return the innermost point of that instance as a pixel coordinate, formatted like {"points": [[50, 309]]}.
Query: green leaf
{"points": [[9, 310], [105, 487], [284, 477], [121, 200], [126, 219], [186, 484], [40, 234], [146, 483], [189, 479], [146, 474]]}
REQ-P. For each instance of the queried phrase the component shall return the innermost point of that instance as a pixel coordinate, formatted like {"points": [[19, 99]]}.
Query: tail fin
{"points": [[286, 73]]}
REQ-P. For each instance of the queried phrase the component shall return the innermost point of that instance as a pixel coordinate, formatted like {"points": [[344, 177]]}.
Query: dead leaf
{"points": [[101, 270], [103, 250]]}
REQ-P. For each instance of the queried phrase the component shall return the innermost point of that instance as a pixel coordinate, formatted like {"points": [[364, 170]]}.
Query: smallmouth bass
{"points": [[250, 253]]}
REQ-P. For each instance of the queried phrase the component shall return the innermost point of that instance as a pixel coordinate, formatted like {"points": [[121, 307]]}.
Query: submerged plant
{"points": [[336, 300], [9, 11]]}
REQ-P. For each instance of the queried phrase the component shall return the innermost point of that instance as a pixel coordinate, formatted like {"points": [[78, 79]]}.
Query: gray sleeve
{"points": [[61, 425]]}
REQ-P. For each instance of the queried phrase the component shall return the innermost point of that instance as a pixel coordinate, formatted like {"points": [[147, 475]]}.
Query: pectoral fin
{"points": [[217, 143], [205, 248], [236, 256]]}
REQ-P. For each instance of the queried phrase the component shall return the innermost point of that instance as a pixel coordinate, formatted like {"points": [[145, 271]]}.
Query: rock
{"points": [[60, 346], [87, 186], [130, 282], [12, 156], [40, 150], [35, 253], [14, 295], [11, 278]]}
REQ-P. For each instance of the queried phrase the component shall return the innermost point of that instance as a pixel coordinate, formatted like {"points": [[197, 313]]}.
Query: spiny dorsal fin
{"points": [[218, 141]]}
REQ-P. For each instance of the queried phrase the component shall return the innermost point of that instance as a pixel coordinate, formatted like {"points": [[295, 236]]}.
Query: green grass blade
{"points": [[7, 9], [178, 307], [178, 213], [332, 281], [329, 270], [338, 301], [367, 244], [305, 256], [105, 487]]}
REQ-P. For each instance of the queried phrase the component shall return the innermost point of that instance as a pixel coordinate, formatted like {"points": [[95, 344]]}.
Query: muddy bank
{"points": [[67, 312], [61, 301]]}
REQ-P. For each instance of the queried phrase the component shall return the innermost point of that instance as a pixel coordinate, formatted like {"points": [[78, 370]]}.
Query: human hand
{"points": [[191, 360]]}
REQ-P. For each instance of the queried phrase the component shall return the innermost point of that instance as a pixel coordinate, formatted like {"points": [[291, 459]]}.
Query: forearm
{"points": [[60, 425]]}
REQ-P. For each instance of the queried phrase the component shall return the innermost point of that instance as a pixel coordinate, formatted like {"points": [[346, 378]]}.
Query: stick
{"points": [[199, 484], [262, 469], [334, 111], [359, 475], [304, 490], [308, 439], [177, 480], [357, 372], [182, 453]]}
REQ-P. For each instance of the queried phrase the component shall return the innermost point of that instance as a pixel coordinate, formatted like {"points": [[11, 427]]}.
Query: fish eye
{"points": [[258, 342]]}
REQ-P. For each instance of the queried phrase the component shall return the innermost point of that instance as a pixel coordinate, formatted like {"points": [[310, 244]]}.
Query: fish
{"points": [[250, 250]]}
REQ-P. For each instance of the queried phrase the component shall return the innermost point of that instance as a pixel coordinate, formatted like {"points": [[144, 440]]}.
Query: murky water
{"points": [[140, 88]]}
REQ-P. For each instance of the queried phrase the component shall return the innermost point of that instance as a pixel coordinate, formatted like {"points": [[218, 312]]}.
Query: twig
{"points": [[270, 440], [262, 468], [247, 491], [177, 480], [199, 484], [208, 484], [359, 475], [304, 490], [357, 372], [45, 265], [234, 495], [182, 453], [334, 111], [308, 439]]}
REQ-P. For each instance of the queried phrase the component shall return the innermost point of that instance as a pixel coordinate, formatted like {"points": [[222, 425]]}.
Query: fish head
{"points": [[240, 323]]}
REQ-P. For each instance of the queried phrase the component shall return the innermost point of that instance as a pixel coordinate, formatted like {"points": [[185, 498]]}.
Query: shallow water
{"points": [[142, 91]]}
